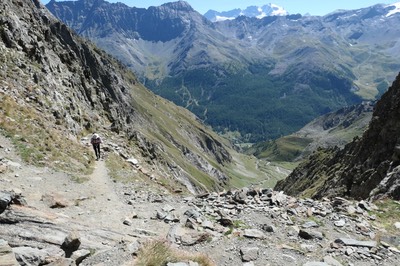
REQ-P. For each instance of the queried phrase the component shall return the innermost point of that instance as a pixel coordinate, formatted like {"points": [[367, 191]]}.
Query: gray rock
{"points": [[308, 248], [168, 208], [54, 253], [127, 222], [349, 251], [14, 164], [133, 161], [193, 238], [133, 247], [161, 215], [249, 253], [5, 200], [207, 224], [392, 240], [351, 210], [309, 224], [226, 221], [364, 205], [71, 243], [79, 255], [30, 256], [7, 256], [394, 250], [310, 234], [278, 199], [191, 223], [171, 217], [315, 263], [55, 200], [355, 243], [253, 233], [340, 223], [397, 225], [268, 228], [192, 213], [240, 196]]}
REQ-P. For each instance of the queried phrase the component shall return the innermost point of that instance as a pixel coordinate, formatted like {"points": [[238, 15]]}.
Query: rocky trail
{"points": [[51, 218]]}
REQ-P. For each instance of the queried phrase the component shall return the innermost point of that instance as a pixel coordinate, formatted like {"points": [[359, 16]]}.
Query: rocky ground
{"points": [[48, 217]]}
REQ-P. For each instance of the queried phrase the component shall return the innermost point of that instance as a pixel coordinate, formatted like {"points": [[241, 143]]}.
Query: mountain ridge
{"points": [[250, 11], [291, 68]]}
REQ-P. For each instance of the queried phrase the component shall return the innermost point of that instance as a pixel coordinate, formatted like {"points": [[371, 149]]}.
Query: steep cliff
{"points": [[367, 167]]}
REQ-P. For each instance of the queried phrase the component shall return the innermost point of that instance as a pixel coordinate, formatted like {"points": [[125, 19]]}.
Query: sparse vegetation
{"points": [[37, 142], [283, 149], [387, 214], [119, 169], [159, 253]]}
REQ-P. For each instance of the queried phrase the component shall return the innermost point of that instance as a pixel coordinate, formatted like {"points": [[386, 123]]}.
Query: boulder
{"points": [[71, 243], [310, 234], [240, 196], [5, 200], [55, 200], [249, 253]]}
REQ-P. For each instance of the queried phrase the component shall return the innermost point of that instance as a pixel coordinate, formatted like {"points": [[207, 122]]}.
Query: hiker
{"points": [[96, 140]]}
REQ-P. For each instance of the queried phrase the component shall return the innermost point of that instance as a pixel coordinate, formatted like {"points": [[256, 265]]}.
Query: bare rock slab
{"points": [[253, 233], [355, 243]]}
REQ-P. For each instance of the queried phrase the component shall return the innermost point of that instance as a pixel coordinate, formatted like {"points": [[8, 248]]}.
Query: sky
{"points": [[313, 7]]}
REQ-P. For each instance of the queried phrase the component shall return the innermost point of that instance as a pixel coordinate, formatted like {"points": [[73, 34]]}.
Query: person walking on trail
{"points": [[95, 141]]}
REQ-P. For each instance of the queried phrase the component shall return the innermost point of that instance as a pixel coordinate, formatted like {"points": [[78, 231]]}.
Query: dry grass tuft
{"points": [[159, 253]]}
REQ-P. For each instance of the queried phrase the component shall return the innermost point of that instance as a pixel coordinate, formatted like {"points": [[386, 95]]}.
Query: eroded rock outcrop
{"points": [[366, 165]]}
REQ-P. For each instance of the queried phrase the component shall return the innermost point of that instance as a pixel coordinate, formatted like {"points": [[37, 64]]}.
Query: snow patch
{"points": [[220, 18], [278, 11], [395, 10]]}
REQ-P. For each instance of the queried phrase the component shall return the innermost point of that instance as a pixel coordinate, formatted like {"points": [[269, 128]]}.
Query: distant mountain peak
{"points": [[179, 5], [250, 11]]}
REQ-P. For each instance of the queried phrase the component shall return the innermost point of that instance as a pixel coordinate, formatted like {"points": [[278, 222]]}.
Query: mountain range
{"points": [[168, 190], [251, 11], [56, 89], [255, 79]]}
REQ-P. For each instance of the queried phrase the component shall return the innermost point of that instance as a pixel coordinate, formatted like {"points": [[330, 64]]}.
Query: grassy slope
{"points": [[300, 144]]}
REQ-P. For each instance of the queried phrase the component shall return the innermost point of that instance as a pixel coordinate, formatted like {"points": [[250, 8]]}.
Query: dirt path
{"points": [[99, 202]]}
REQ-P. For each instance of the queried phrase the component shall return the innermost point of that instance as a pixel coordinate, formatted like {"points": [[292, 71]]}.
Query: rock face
{"points": [[67, 88], [367, 167]]}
